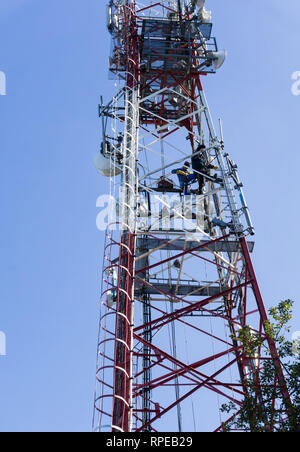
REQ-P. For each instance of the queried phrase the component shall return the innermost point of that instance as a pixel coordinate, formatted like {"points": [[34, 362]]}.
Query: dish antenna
{"points": [[218, 58], [105, 166]]}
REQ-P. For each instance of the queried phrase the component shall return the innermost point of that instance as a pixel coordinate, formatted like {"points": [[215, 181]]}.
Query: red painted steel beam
{"points": [[182, 366], [260, 303], [173, 374], [190, 251], [197, 248], [181, 399], [123, 338], [167, 318]]}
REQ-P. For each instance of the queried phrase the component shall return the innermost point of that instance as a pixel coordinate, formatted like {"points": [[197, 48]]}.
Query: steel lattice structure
{"points": [[178, 280]]}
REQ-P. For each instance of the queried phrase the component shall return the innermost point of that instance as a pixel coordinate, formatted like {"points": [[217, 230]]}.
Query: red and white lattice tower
{"points": [[178, 280]]}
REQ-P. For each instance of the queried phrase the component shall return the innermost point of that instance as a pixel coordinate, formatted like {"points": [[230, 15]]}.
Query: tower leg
{"points": [[264, 318], [123, 342]]}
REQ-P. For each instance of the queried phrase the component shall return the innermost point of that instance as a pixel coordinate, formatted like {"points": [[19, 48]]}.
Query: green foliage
{"points": [[281, 316], [265, 410], [250, 341]]}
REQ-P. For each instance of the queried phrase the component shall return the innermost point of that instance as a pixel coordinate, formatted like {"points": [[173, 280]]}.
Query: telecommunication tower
{"points": [[178, 281]]}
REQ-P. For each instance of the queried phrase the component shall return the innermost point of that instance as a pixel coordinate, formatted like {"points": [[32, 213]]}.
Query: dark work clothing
{"points": [[199, 165]]}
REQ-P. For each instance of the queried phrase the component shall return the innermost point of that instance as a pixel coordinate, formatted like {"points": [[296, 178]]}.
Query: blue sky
{"points": [[54, 54]]}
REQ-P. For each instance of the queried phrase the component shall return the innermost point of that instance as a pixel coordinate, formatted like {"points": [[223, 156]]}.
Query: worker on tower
{"points": [[185, 177], [201, 167]]}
